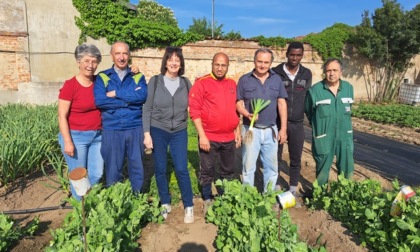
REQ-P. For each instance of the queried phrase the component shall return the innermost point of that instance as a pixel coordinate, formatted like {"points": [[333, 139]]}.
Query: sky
{"points": [[272, 18]]}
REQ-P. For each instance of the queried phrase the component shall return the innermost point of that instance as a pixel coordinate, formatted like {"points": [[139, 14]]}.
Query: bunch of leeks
{"points": [[257, 106]]}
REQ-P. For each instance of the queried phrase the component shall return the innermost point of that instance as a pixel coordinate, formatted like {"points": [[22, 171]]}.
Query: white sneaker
{"points": [[189, 215], [166, 209]]}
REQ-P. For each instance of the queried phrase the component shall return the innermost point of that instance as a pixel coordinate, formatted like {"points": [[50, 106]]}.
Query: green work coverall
{"points": [[332, 132]]}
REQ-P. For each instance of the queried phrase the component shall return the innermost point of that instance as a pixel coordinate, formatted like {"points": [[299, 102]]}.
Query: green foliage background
{"points": [[152, 25]]}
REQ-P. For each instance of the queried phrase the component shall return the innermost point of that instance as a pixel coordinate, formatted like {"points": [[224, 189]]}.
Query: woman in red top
{"points": [[79, 119]]}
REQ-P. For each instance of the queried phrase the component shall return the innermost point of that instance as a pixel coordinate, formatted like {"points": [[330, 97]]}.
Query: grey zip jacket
{"points": [[164, 111]]}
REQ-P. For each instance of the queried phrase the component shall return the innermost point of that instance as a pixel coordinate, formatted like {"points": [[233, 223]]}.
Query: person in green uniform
{"points": [[328, 108]]}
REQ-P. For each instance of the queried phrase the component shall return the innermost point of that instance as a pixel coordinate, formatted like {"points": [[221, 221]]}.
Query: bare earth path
{"points": [[174, 235]]}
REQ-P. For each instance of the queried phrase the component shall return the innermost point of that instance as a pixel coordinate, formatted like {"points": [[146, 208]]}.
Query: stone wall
{"points": [[198, 57]]}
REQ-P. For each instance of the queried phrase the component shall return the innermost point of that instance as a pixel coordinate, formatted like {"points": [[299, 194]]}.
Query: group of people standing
{"points": [[113, 116]]}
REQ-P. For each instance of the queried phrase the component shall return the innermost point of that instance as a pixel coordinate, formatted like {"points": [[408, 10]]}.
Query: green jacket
{"points": [[329, 115]]}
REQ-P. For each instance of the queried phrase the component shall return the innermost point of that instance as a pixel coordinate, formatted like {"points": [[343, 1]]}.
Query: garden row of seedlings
{"points": [[384, 220], [114, 219]]}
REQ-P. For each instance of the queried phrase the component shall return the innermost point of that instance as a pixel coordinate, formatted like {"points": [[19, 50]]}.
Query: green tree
{"points": [[389, 40], [154, 12], [232, 35], [202, 26]]}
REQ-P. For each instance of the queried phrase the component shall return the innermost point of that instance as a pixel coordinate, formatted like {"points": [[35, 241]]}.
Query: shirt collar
{"points": [[121, 73], [289, 74]]}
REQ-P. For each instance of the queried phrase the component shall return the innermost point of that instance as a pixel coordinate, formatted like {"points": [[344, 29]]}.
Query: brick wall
{"points": [[198, 58], [13, 60]]}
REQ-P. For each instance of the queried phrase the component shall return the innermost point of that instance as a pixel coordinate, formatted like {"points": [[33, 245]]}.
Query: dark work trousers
{"points": [[118, 144], [224, 153], [295, 140]]}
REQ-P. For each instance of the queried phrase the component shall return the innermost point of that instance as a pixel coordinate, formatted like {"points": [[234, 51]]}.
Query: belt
{"points": [[262, 126], [267, 127]]}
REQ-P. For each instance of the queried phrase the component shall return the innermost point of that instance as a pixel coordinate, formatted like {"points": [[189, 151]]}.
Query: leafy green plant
{"points": [[393, 113], [365, 209], [246, 221], [203, 27], [10, 232], [27, 134], [114, 219], [330, 42], [153, 11], [232, 35], [275, 42], [151, 25]]}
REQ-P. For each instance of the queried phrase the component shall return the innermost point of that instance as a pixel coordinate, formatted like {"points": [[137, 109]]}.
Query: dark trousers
{"points": [[295, 140], [178, 146], [224, 153], [116, 145]]}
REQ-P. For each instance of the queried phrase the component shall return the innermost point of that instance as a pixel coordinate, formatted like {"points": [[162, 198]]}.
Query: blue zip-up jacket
{"points": [[124, 111]]}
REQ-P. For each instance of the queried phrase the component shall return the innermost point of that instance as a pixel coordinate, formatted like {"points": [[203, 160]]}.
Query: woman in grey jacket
{"points": [[165, 125]]}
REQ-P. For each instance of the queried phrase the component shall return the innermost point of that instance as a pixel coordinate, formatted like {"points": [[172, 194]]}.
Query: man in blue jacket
{"points": [[120, 95]]}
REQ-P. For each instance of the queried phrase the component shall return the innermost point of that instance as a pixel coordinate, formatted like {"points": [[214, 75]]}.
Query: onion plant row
{"points": [[28, 137]]}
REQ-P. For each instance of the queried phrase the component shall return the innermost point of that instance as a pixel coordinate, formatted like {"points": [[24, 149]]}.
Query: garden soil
{"points": [[314, 227]]}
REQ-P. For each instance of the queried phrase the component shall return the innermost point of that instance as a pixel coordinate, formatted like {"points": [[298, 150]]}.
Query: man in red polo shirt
{"points": [[212, 102]]}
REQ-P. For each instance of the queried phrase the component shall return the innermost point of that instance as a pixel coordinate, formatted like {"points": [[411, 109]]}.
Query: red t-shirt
{"points": [[83, 114]]}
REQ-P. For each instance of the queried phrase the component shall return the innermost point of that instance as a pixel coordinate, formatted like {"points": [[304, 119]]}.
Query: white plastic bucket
{"points": [[80, 181], [286, 200]]}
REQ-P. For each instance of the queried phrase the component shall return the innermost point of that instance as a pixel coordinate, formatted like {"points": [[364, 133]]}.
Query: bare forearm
{"points": [[64, 128], [242, 110], [282, 108]]}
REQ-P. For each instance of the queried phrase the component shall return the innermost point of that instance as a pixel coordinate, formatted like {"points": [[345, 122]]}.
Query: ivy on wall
{"points": [[328, 43], [153, 25], [142, 28]]}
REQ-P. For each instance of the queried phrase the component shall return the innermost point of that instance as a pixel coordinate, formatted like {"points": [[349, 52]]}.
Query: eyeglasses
{"points": [[223, 66], [88, 62]]}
